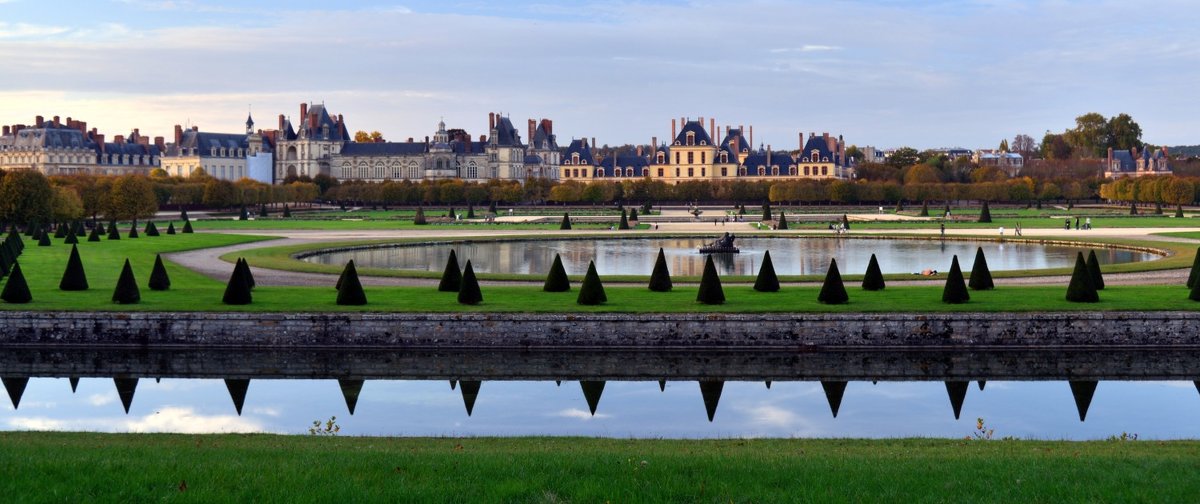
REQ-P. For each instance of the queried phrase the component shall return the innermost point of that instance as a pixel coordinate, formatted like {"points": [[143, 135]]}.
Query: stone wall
{"points": [[643, 331]]}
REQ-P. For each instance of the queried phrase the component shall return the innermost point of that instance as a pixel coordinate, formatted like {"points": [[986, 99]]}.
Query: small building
{"points": [[1135, 163], [1010, 162], [224, 156]]}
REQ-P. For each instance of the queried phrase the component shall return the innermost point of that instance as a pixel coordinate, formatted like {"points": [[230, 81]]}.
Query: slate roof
{"points": [[623, 161], [533, 159], [579, 147], [542, 139], [782, 159], [696, 128], [324, 120], [506, 135], [819, 144], [368, 149], [1125, 159], [459, 147]]}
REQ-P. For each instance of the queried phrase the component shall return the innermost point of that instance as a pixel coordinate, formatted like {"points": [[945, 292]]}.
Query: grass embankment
{"points": [[72, 467], [338, 220]]}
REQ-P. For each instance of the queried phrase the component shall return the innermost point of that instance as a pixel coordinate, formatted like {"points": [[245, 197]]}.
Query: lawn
{"points": [[81, 467]]}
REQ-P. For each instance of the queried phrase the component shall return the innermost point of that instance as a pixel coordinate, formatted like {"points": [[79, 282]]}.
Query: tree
{"points": [[65, 205], [469, 294], [1124, 133], [220, 194], [556, 278], [350, 293], [873, 279], [132, 197], [591, 292], [126, 291], [1081, 290], [766, 281], [833, 290], [710, 284], [981, 276], [955, 291], [159, 280], [660, 278], [451, 278], [1004, 145], [1093, 266], [361, 136], [25, 197], [1056, 147], [766, 212], [74, 277], [903, 158], [1023, 144], [1090, 136]]}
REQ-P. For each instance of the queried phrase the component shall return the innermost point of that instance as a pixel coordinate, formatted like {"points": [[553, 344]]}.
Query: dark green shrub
{"points": [[766, 212], [237, 290], [1081, 290], [187, 227], [833, 291], [151, 229], [1191, 281], [782, 225], [100, 227], [985, 213], [159, 281], [287, 211], [451, 276], [451, 214], [633, 215], [710, 284], [262, 211], [845, 222], [556, 279], [1093, 266], [591, 292], [133, 232], [79, 230], [170, 228], [1194, 294], [660, 278], [60, 231], [183, 214], [243, 214], [766, 280], [246, 273], [351, 291], [470, 210], [873, 279], [43, 239], [1157, 208], [113, 232], [955, 291], [16, 290], [127, 290], [924, 209], [419, 218], [71, 239], [74, 278], [469, 294], [624, 224], [981, 276], [566, 222], [1178, 211], [94, 236], [492, 207], [1132, 208]]}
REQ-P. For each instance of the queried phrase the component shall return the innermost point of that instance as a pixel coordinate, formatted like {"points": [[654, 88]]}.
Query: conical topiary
{"points": [[766, 280], [159, 281], [660, 278], [246, 273], [71, 239], [924, 209], [955, 291], [16, 290], [1191, 281], [845, 222], [985, 213], [351, 291], [451, 276], [151, 229], [1093, 266], [556, 279], [187, 227], [100, 226], [237, 290], [591, 292], [44, 239], [981, 276], [133, 232], [470, 210], [183, 214], [79, 230], [469, 294], [419, 218], [710, 284], [60, 231], [624, 224], [492, 207], [1081, 290], [170, 228], [74, 277], [873, 279], [243, 214], [766, 216], [1194, 294], [287, 211], [1178, 211], [113, 232], [633, 215], [262, 210], [566, 222], [782, 225], [94, 236], [1157, 208], [1132, 208], [127, 290], [833, 291]]}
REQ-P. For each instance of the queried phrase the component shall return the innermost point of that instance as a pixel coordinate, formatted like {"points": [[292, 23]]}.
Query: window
{"points": [[629, 171], [762, 171], [661, 159], [676, 158], [724, 171], [691, 158], [703, 158], [775, 171], [806, 171], [791, 170], [660, 172], [645, 172], [824, 170], [677, 172], [742, 171], [691, 172], [691, 138], [724, 157], [703, 171]]}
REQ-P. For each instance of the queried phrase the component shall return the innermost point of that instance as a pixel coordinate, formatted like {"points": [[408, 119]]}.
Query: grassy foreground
{"points": [[77, 467]]}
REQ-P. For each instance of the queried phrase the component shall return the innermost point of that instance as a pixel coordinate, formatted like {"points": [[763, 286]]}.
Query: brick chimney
{"points": [[280, 122], [491, 121], [531, 126], [119, 139], [7, 131], [100, 141], [801, 142], [40, 121], [160, 143], [410, 139], [653, 144], [482, 138], [548, 125], [83, 127], [712, 130], [195, 128], [673, 135], [768, 155], [178, 135], [751, 137], [56, 121], [304, 111]]}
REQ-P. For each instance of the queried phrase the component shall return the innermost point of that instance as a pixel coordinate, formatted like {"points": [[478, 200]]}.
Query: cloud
{"points": [[579, 414], [805, 48], [101, 399], [168, 419], [27, 30]]}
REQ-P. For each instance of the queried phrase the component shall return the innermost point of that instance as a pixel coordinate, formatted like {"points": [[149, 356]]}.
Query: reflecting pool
{"points": [[790, 256]]}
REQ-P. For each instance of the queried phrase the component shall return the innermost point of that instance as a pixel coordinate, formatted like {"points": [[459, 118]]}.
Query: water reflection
{"points": [[791, 256], [732, 393]]}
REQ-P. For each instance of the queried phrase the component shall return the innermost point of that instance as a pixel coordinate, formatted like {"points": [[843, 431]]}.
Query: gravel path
{"points": [[208, 262]]}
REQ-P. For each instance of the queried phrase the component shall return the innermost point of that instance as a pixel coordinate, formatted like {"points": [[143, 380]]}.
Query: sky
{"points": [[886, 73]]}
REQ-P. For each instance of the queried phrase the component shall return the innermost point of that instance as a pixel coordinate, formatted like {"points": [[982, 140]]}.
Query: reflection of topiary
{"points": [[660, 278], [74, 277], [981, 276], [566, 222], [873, 279], [1081, 290], [955, 291], [469, 294], [451, 276], [159, 281], [710, 284], [127, 290], [833, 291], [985, 213], [16, 290], [556, 280], [351, 291], [766, 280], [591, 292], [1093, 266]]}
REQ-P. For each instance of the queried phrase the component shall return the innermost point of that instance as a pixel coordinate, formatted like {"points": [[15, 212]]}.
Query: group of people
{"points": [[1087, 224]]}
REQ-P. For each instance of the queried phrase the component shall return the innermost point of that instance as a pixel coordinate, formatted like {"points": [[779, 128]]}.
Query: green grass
{"points": [[75, 467], [349, 224]]}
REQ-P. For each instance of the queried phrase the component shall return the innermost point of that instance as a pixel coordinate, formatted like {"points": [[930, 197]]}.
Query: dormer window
{"points": [[724, 157], [661, 158], [762, 171], [691, 138], [575, 158], [629, 171]]}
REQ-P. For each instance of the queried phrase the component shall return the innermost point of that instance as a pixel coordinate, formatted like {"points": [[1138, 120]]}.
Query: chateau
{"points": [[1132, 163], [64, 148], [226, 156]]}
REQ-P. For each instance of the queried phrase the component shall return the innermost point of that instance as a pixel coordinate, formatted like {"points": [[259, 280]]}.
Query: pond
{"points": [[790, 256], [1021, 393]]}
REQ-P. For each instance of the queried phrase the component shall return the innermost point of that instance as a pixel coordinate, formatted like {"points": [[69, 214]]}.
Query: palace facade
{"points": [[55, 147], [225, 156], [1135, 163]]}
